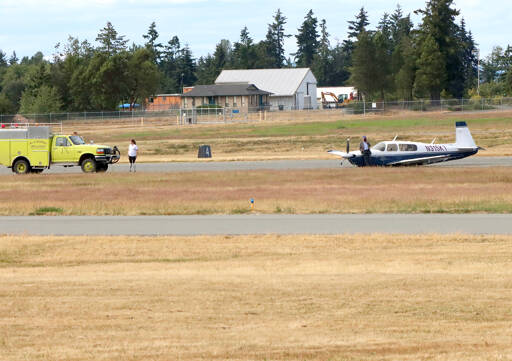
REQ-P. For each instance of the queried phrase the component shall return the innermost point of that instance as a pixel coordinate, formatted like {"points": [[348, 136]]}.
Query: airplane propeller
{"points": [[348, 145]]}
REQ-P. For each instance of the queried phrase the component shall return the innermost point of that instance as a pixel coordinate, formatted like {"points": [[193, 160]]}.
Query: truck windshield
{"points": [[77, 140]]}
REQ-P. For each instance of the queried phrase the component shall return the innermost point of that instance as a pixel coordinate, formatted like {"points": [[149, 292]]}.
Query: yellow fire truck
{"points": [[31, 149]]}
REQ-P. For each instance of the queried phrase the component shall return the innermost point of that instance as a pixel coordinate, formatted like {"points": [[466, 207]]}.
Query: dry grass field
{"points": [[303, 138], [375, 297], [339, 190]]}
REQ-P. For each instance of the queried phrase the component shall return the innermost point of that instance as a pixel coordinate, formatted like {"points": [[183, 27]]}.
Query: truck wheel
{"points": [[88, 165], [101, 167], [21, 166]]}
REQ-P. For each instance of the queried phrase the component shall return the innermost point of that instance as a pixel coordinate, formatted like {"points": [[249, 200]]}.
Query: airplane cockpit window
{"points": [[408, 147], [392, 147], [380, 146]]}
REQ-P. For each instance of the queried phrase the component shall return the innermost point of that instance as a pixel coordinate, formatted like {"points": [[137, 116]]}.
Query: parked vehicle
{"points": [[32, 149]]}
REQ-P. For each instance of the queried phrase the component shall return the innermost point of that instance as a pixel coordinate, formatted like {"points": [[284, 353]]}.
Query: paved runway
{"points": [[259, 224], [271, 165]]}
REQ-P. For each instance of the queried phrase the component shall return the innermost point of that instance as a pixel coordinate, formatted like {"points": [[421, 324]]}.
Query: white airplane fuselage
{"points": [[402, 153]]}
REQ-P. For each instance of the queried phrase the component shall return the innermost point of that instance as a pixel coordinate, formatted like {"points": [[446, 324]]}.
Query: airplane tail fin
{"points": [[463, 138]]}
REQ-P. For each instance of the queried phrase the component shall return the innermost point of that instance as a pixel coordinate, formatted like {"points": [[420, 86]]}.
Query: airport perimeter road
{"points": [[270, 165], [258, 224]]}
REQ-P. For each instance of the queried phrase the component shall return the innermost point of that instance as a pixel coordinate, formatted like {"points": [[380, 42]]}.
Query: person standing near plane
{"points": [[132, 153], [364, 147]]}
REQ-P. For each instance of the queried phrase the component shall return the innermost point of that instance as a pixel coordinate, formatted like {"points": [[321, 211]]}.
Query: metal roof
{"points": [[224, 90], [280, 82]]}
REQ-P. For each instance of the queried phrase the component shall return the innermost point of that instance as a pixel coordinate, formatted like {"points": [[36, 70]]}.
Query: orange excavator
{"points": [[337, 101]]}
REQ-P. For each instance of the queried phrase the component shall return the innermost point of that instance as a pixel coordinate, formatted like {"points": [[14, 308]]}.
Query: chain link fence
{"points": [[444, 105], [225, 115]]}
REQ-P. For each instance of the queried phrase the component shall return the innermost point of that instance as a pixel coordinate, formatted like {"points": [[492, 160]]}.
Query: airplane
{"points": [[402, 153]]}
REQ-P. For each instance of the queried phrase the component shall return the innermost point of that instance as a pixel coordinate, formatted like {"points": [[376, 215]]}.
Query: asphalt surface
{"points": [[258, 224], [270, 165]]}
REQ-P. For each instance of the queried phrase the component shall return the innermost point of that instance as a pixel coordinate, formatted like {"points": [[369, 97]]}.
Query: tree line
{"points": [[437, 58]]}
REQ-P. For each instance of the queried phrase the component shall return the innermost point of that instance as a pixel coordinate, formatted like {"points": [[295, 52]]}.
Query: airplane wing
{"points": [[341, 154], [437, 158]]}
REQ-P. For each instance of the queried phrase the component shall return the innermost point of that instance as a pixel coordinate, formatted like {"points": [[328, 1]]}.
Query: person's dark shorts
{"points": [[132, 159]]}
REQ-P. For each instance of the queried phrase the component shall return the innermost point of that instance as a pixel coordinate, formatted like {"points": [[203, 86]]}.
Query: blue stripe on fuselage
{"points": [[386, 159]]}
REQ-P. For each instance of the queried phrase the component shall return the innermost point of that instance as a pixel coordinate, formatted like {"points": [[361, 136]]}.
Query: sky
{"points": [[28, 26]]}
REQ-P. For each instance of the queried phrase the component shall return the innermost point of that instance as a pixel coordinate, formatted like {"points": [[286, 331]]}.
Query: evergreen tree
{"points": [[171, 81], [508, 80], [206, 71], [359, 25], [110, 42], [438, 23], [307, 41], [468, 54], [3, 67], [222, 55], [341, 62], [400, 26], [186, 67], [385, 28], [355, 28], [382, 64], [431, 72], [244, 52], [322, 63], [274, 41], [3, 60], [404, 64], [364, 68], [151, 37], [13, 59]]}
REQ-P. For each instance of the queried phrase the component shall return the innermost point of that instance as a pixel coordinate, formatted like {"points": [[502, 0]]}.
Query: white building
{"points": [[290, 88]]}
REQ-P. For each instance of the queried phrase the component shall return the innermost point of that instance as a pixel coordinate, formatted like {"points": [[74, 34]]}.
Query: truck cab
{"points": [[71, 150]]}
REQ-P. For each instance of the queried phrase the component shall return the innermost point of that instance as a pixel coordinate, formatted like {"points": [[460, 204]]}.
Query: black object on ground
{"points": [[204, 151]]}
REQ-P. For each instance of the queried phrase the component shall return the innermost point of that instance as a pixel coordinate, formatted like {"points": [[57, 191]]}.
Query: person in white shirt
{"points": [[364, 147], [132, 154]]}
